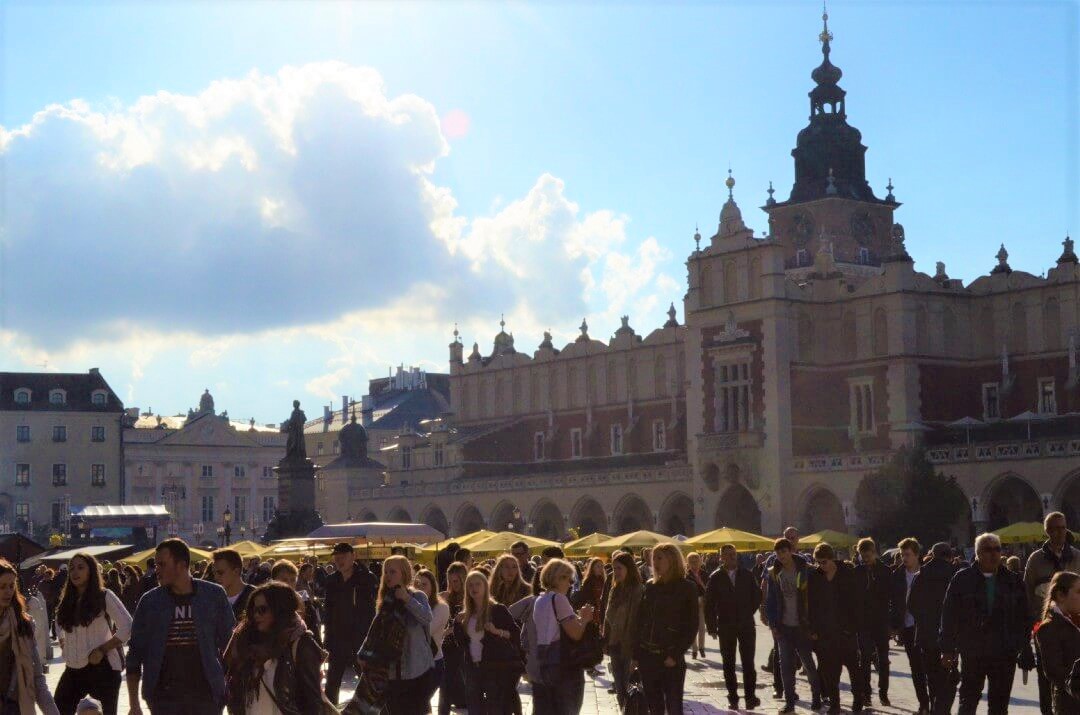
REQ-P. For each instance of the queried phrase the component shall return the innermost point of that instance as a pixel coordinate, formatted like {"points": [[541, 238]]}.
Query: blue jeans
{"points": [[620, 673], [792, 646], [562, 691]]}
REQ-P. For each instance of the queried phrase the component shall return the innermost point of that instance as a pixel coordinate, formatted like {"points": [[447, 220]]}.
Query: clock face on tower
{"points": [[804, 228], [862, 227]]}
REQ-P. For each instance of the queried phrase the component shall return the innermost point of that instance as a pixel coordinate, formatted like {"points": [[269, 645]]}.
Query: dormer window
{"points": [[22, 396], [98, 398], [57, 397]]}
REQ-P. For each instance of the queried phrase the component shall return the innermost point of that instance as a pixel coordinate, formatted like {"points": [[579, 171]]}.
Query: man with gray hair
{"points": [[1056, 554], [985, 621]]}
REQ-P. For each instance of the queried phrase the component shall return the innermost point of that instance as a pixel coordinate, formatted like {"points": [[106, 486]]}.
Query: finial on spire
{"points": [[770, 201], [697, 239], [729, 183], [825, 37], [671, 322], [889, 188], [584, 328], [502, 322], [457, 338]]}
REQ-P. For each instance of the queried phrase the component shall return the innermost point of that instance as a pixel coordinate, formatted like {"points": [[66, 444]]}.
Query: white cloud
{"points": [[286, 223]]}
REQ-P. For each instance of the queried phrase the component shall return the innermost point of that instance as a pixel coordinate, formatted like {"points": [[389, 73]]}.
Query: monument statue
{"points": [[294, 444]]}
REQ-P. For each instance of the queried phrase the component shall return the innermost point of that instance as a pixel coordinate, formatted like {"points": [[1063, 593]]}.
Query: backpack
{"points": [[635, 703]]}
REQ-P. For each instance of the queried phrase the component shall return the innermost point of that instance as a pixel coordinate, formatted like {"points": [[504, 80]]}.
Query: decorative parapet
{"points": [[839, 462], [1005, 450]]}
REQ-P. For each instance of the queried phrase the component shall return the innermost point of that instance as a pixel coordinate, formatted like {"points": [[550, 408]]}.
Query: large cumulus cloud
{"points": [[276, 201]]}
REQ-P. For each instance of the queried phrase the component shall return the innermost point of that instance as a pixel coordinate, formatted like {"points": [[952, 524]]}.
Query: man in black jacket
{"points": [[924, 603], [350, 608], [874, 581], [901, 619], [833, 607], [985, 620], [731, 600]]}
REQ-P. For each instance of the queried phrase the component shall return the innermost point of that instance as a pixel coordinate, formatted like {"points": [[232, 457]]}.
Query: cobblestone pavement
{"points": [[705, 691]]}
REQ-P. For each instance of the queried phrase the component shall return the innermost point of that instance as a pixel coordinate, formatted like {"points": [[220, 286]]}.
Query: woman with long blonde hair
{"points": [[1057, 639], [490, 638], [410, 675], [506, 585], [667, 626]]}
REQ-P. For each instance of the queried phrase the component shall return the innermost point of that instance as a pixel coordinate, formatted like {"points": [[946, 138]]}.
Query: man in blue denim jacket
{"points": [[179, 632]]}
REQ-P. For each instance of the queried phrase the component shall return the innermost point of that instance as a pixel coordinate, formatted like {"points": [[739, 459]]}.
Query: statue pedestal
{"points": [[295, 514]]}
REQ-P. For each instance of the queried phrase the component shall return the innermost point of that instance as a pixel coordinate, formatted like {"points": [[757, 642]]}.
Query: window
{"points": [[59, 475], [239, 471], [98, 398], [22, 512], [575, 443], [57, 397], [22, 397], [1047, 403], [97, 475], [733, 398], [22, 475], [861, 401], [208, 509], [616, 439], [437, 455], [97, 434], [208, 470], [337, 446], [319, 448], [406, 457], [59, 433], [991, 401], [240, 509], [864, 256], [268, 472], [59, 517], [22, 433], [659, 436], [268, 508], [538, 446]]}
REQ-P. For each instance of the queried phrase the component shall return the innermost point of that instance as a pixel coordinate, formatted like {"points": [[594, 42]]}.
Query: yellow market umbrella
{"points": [[578, 548], [467, 540], [742, 540], [1023, 532], [143, 556], [498, 543], [247, 549], [837, 539], [634, 540]]}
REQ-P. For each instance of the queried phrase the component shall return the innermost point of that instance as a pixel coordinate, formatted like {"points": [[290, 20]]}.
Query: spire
{"points": [[671, 321], [770, 201], [731, 220], [697, 239], [584, 331], [889, 196], [730, 184]]}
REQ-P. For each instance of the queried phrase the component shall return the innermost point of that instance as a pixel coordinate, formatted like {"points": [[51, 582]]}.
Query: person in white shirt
{"points": [[92, 625], [440, 622]]}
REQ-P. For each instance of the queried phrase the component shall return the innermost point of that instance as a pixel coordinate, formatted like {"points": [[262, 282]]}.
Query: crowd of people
{"points": [[254, 637]]}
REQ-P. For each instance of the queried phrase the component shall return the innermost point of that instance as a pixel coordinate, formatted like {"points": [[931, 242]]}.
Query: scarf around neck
{"points": [[22, 648]]}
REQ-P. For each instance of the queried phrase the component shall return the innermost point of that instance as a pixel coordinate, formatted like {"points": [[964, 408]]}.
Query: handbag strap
{"points": [[262, 681]]}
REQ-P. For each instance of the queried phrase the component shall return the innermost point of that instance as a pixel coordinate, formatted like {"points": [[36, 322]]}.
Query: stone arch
{"points": [[739, 510], [880, 332], [502, 517], [399, 515], [368, 517], [711, 477], [677, 515], [434, 517], [821, 509], [1051, 324], [632, 514], [467, 519], [1068, 499], [547, 521], [1008, 499], [588, 517]]}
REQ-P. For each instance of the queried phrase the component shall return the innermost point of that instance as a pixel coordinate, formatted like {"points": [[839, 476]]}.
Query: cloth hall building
{"points": [[807, 357]]}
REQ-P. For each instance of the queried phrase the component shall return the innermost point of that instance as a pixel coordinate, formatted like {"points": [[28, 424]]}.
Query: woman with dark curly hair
{"points": [[92, 626], [272, 660], [22, 684]]}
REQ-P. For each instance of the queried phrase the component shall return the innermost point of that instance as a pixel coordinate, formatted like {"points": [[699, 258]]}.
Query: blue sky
{"points": [[565, 152]]}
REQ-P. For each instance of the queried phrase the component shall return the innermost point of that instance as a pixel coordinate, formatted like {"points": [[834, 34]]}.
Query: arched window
{"points": [[519, 392], [57, 397], [660, 386], [631, 378], [731, 283], [753, 278], [705, 287], [22, 396], [591, 387], [1018, 328], [612, 376], [573, 394], [881, 332], [1052, 324]]}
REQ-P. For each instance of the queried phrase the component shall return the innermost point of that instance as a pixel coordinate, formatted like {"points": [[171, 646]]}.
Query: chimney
{"points": [[94, 371], [326, 417]]}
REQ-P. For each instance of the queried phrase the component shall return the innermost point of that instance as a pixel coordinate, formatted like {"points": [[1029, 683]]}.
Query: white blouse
{"points": [[78, 643], [440, 616]]}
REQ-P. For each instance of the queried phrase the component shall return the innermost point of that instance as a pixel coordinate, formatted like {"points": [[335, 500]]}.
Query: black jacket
{"points": [[833, 607], [668, 620], [240, 603], [968, 626], [500, 653], [898, 597], [927, 599], [729, 606], [350, 608], [875, 586], [297, 682], [1058, 644]]}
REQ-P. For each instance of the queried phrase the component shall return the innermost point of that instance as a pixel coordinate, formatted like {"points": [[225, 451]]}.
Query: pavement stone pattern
{"points": [[705, 690]]}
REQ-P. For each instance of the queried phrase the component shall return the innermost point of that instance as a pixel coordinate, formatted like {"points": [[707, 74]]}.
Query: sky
{"points": [[280, 201]]}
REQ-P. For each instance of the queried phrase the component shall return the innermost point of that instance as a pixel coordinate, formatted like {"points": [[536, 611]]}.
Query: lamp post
{"points": [[227, 528]]}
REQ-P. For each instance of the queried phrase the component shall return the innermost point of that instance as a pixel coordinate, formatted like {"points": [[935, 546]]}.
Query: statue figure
{"points": [[294, 445]]}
